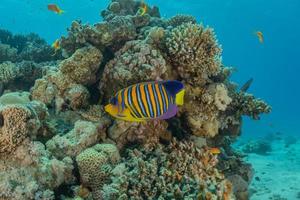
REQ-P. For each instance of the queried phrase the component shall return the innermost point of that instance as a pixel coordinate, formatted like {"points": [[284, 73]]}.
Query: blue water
{"points": [[274, 65]]}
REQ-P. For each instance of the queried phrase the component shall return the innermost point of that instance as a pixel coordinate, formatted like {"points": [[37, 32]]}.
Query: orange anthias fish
{"points": [[260, 36], [143, 9], [215, 150], [55, 8], [56, 45]]}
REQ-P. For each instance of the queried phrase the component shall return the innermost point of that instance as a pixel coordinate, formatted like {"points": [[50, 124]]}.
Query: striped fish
{"points": [[144, 101]]}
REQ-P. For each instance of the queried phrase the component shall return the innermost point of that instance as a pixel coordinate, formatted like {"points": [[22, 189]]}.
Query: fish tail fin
{"points": [[61, 12], [179, 98], [176, 89]]}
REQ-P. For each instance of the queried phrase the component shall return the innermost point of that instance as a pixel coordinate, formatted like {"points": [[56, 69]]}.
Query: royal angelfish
{"points": [[146, 101]]}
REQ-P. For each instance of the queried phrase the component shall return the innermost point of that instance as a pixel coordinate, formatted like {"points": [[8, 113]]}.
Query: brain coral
{"points": [[94, 166], [137, 61], [195, 52]]}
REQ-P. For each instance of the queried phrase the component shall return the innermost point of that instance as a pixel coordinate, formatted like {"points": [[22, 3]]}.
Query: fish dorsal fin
{"points": [[173, 87]]}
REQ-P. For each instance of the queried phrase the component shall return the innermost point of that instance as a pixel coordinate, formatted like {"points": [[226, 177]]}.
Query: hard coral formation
{"points": [[25, 47], [194, 51], [83, 135], [179, 19], [135, 62], [177, 171], [146, 134], [203, 108], [66, 86], [30, 172], [95, 164]]}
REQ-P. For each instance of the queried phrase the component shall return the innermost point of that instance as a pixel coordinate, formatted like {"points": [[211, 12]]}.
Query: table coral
{"points": [[95, 164], [177, 171]]}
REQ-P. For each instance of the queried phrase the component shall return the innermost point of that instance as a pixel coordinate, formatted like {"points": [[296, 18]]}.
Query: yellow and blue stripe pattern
{"points": [[145, 100]]}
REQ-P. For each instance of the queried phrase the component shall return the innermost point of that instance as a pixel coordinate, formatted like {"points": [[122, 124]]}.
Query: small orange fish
{"points": [[56, 45], [55, 8], [143, 9], [260, 36], [215, 150]]}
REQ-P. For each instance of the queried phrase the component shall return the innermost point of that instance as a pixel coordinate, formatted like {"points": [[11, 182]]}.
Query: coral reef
{"points": [[179, 170], [25, 47], [56, 142]]}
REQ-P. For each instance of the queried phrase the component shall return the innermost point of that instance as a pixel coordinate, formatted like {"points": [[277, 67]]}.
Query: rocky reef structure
{"points": [[56, 142], [23, 59]]}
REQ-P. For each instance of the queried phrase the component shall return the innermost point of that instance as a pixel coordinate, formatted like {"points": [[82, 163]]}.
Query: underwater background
{"points": [[274, 66]]}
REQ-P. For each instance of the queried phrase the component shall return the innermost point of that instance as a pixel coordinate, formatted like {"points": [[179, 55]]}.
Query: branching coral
{"points": [[195, 52], [177, 171], [95, 164], [247, 104]]}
